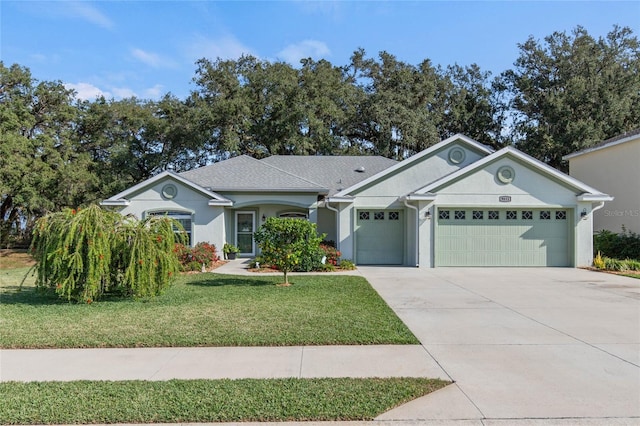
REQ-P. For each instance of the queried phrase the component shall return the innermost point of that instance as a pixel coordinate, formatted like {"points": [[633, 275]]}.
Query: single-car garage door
{"points": [[505, 237], [379, 237]]}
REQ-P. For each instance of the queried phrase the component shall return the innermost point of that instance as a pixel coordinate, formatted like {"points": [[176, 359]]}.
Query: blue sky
{"points": [[148, 48]]}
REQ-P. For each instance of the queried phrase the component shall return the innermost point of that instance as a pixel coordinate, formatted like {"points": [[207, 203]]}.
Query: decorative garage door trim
{"points": [[379, 237], [487, 236]]}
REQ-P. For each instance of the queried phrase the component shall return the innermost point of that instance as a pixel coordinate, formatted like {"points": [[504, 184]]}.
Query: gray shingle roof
{"points": [[332, 172], [244, 173], [604, 144]]}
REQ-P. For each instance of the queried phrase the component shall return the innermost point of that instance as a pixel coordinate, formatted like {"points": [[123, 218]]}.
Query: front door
{"points": [[245, 226]]}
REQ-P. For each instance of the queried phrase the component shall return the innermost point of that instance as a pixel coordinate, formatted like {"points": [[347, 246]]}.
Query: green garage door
{"points": [[506, 237], [379, 237]]}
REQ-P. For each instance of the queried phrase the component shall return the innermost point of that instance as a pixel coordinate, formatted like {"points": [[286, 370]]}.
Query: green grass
{"points": [[180, 401], [205, 310]]}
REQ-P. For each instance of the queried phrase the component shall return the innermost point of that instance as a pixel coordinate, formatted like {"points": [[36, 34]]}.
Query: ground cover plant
{"points": [[180, 401], [204, 310]]}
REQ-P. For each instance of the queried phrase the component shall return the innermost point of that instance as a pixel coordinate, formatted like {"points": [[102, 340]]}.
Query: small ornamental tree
{"points": [[88, 253], [285, 242]]}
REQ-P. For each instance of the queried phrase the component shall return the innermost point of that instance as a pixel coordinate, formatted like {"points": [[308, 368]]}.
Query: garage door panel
{"points": [[380, 241], [524, 237]]}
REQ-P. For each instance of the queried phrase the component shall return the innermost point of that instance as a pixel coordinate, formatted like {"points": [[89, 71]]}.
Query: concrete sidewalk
{"points": [[217, 363]]}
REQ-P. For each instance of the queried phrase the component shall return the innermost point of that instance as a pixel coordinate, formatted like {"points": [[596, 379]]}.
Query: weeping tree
{"points": [[86, 254]]}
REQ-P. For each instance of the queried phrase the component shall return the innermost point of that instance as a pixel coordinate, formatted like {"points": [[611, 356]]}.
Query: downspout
{"points": [[327, 205], [598, 207], [417, 231]]}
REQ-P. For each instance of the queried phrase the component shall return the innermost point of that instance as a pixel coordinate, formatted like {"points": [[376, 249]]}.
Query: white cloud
{"points": [[154, 92], [226, 47], [152, 59], [84, 10], [123, 92], [86, 91], [305, 49]]}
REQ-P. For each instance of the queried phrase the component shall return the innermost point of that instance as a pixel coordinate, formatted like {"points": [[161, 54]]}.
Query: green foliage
{"points": [[288, 243], [625, 245], [85, 254], [230, 248], [347, 265], [572, 91]]}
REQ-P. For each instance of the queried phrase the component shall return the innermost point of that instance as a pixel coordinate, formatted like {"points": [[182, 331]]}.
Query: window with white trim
{"points": [[185, 219]]}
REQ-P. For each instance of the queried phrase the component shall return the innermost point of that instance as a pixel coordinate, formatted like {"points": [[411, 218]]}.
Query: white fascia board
{"points": [[220, 203], [594, 197], [158, 177], [110, 202], [598, 148], [336, 199], [317, 190], [527, 159], [415, 158], [419, 197]]}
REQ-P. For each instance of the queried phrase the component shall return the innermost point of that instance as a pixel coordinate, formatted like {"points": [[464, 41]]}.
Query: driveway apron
{"points": [[522, 343]]}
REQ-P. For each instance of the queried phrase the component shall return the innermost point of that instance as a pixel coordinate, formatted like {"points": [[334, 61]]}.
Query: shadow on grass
{"points": [[14, 295], [229, 280]]}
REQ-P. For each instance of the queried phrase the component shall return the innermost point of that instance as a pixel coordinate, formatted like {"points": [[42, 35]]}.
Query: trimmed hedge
{"points": [[625, 245]]}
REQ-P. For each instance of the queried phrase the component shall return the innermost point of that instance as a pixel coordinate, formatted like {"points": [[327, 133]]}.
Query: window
{"points": [[363, 215], [443, 214], [378, 216], [183, 218], [561, 215], [460, 215], [494, 215], [294, 215], [527, 215], [394, 216], [478, 215], [545, 215], [512, 215]]}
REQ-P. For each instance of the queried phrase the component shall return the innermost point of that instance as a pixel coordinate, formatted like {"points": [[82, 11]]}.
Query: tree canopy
{"points": [[564, 93]]}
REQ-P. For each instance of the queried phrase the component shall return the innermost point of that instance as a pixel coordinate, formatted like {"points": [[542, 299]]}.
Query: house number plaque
{"points": [[504, 198]]}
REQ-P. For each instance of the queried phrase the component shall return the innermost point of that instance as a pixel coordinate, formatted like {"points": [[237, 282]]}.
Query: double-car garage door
{"points": [[502, 237]]}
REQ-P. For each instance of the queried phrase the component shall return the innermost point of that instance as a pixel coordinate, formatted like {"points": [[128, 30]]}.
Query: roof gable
{"points": [[456, 139], [246, 174], [122, 197], [519, 156]]}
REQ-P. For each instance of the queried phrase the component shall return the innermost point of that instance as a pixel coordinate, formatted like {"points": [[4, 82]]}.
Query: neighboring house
{"points": [[613, 166], [457, 203]]}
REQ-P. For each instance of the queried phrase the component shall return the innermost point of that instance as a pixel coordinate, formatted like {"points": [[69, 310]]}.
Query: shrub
{"points": [[625, 245], [288, 243], [84, 254], [330, 252], [347, 265], [598, 262]]}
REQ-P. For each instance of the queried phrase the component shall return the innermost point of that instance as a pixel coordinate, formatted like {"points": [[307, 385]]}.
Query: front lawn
{"points": [[205, 310], [189, 401]]}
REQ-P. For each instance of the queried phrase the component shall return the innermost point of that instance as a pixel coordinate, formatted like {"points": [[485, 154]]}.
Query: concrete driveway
{"points": [[522, 343]]}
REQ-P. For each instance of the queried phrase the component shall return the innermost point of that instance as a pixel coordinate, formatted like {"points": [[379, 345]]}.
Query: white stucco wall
{"points": [[417, 174], [614, 170], [207, 221]]}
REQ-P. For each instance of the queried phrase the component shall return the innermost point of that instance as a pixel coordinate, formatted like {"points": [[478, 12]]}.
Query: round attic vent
{"points": [[456, 155], [506, 174], [169, 191], [360, 169]]}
